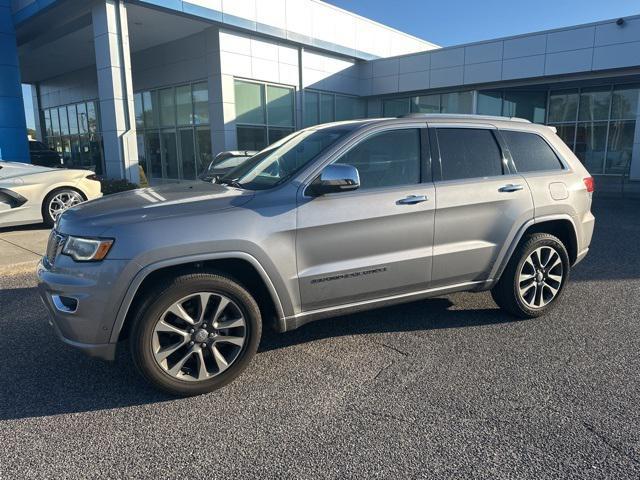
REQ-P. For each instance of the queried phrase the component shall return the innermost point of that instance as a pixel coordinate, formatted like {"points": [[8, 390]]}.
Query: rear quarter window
{"points": [[530, 152]]}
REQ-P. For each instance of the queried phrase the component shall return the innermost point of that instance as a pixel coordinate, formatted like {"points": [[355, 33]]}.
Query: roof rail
{"points": [[463, 116]]}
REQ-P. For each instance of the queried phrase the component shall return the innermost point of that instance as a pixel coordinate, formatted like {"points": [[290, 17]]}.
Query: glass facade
{"points": [[324, 107], [598, 124], [173, 133], [74, 131], [454, 102], [264, 113]]}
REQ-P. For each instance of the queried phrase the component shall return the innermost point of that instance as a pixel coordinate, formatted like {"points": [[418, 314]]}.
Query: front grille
{"points": [[54, 246]]}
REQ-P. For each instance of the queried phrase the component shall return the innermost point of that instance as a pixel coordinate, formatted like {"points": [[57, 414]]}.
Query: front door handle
{"points": [[511, 188], [413, 199]]}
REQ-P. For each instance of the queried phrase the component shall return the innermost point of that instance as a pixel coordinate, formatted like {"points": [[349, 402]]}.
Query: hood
{"points": [[16, 169], [148, 204]]}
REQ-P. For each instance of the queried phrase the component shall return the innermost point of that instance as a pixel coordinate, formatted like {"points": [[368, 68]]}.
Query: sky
{"points": [[452, 22]]}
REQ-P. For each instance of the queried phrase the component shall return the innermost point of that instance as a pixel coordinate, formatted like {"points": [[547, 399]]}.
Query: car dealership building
{"points": [[169, 83]]}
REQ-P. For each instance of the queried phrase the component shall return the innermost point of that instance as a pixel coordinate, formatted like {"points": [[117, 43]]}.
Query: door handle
{"points": [[511, 188], [412, 200]]}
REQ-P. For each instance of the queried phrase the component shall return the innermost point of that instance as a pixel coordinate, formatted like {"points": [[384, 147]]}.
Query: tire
{"points": [[74, 197], [529, 298], [150, 340]]}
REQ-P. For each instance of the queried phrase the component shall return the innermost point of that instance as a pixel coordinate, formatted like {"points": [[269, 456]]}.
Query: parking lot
{"points": [[445, 388]]}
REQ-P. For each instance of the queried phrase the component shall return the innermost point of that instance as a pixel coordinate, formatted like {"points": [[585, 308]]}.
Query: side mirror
{"points": [[335, 178]]}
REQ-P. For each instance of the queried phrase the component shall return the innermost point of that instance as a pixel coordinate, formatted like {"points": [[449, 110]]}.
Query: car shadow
{"points": [[41, 376]]}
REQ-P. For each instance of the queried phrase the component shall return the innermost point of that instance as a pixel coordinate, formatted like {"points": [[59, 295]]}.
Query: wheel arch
{"points": [[561, 226], [240, 266]]}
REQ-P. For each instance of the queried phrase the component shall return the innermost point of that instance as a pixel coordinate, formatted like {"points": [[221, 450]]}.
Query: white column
{"points": [[113, 64], [222, 110]]}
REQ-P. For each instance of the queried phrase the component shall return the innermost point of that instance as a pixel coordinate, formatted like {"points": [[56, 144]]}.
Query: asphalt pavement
{"points": [[445, 388]]}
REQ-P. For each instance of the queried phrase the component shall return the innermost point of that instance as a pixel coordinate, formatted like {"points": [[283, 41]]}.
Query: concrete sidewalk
{"points": [[21, 246]]}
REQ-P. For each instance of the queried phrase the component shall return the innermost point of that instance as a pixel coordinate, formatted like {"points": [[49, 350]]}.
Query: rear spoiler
{"points": [[553, 129]]}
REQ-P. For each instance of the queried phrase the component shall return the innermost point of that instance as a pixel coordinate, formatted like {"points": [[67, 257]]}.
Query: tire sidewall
{"points": [[528, 248], [156, 305]]}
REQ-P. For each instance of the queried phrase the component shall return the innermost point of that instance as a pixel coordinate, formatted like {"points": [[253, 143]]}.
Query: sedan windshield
{"points": [[280, 161]]}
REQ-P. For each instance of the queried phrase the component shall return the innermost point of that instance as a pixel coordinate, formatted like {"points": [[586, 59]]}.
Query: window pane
{"points": [[142, 155], [567, 133], [529, 105], [76, 159], [95, 152], [426, 104], [590, 144], [85, 150], [563, 106], [170, 153], [620, 147], [47, 123], [249, 102], [83, 121], [150, 107], [594, 104], [468, 153], [459, 102], [55, 122], [137, 107], [73, 119], [327, 113], [154, 153], [167, 107], [387, 159], [252, 138], [280, 106], [201, 103], [396, 107], [625, 102], [530, 152], [66, 151], [92, 117], [188, 154], [203, 139], [184, 105], [490, 103], [349, 108], [276, 134], [64, 123], [311, 109]]}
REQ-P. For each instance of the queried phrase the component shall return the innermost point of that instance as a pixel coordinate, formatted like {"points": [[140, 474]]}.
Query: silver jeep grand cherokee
{"points": [[330, 220]]}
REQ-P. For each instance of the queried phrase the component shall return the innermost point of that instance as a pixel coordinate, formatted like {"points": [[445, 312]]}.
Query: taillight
{"points": [[589, 183], [94, 177]]}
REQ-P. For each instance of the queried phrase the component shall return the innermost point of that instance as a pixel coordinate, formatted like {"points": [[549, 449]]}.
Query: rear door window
{"points": [[468, 153], [530, 152]]}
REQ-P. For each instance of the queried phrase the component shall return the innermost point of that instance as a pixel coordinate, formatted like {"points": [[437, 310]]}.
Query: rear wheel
{"points": [[196, 333], [56, 202], [534, 278]]}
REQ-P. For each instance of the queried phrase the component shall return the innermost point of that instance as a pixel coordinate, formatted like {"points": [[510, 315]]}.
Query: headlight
{"points": [[87, 249]]}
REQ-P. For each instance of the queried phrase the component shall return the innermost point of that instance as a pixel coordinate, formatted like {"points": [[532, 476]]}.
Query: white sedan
{"points": [[33, 194]]}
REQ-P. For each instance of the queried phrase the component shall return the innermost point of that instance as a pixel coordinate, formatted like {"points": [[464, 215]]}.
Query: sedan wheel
{"points": [[57, 202]]}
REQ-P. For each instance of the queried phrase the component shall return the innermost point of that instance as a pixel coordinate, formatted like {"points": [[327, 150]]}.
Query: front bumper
{"points": [[87, 323]]}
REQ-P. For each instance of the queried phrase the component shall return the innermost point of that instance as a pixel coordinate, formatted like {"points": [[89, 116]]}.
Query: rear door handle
{"points": [[511, 188], [412, 200]]}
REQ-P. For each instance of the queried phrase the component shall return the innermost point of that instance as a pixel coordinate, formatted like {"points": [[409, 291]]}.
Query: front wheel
{"points": [[195, 333], [534, 279]]}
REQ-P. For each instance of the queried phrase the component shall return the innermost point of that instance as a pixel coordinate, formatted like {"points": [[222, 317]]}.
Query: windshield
{"points": [[284, 158]]}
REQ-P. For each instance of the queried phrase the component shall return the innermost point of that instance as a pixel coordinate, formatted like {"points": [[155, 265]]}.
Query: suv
{"points": [[330, 220]]}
